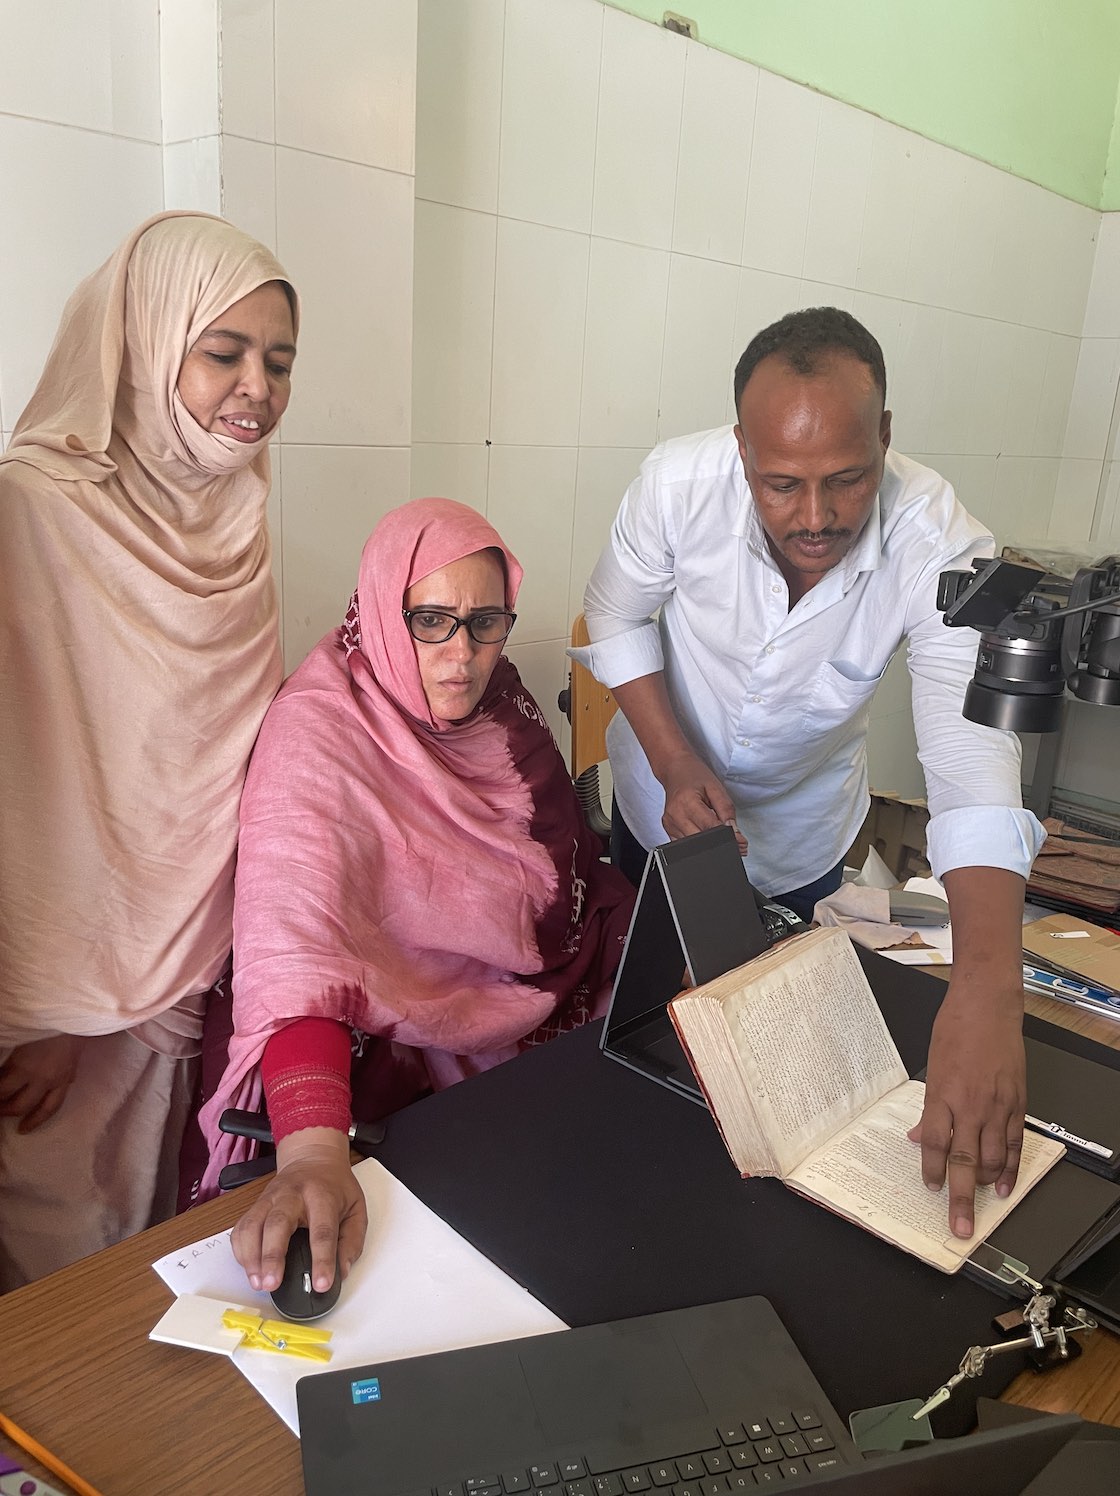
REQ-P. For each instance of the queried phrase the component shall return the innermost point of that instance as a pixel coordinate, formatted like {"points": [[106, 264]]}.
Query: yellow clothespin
{"points": [[278, 1335]]}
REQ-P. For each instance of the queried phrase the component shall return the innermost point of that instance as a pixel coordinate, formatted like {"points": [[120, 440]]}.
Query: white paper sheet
{"points": [[417, 1287]]}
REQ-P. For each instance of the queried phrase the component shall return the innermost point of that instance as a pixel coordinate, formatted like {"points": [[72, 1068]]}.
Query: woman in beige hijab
{"points": [[138, 651]]}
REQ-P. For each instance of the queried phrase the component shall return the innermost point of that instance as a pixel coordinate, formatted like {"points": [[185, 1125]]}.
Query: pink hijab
{"points": [[138, 652], [430, 883]]}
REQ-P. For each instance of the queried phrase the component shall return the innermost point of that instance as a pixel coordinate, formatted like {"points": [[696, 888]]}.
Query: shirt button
{"points": [[769, 649], [756, 699], [776, 587], [744, 742]]}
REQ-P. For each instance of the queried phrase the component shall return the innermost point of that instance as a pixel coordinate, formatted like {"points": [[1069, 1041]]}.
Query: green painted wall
{"points": [[1029, 85]]}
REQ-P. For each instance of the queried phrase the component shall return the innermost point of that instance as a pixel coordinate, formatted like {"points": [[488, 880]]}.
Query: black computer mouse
{"points": [[294, 1296]]}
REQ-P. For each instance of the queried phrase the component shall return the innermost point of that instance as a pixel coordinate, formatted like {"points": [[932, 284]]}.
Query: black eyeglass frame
{"points": [[458, 623]]}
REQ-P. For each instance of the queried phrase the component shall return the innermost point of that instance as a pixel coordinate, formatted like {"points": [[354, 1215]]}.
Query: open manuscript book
{"points": [[805, 1083]]}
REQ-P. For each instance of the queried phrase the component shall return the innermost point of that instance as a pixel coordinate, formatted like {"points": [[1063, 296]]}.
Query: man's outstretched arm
{"points": [[971, 1130]]}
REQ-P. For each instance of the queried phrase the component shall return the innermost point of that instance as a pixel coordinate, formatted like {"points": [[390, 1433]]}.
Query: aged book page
{"points": [[811, 1041], [870, 1173]]}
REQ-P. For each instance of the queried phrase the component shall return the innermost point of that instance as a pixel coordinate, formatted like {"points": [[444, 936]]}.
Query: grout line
{"points": [[59, 124], [689, 48], [494, 287], [301, 150], [1096, 524], [590, 236]]}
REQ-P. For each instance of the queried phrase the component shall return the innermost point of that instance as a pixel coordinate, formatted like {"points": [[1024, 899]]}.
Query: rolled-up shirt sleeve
{"points": [[972, 772], [631, 580]]}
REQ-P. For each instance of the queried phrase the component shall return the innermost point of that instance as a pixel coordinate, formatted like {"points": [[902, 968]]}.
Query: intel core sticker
{"points": [[367, 1391]]}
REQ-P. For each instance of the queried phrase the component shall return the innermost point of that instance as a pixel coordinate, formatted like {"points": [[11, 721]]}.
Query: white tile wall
{"points": [[717, 127], [248, 69], [453, 323], [451, 470], [344, 233], [249, 186], [540, 303], [838, 193], [459, 102], [189, 68], [531, 502], [1106, 530], [550, 84], [1024, 497], [69, 196], [1102, 308], [1063, 247], [785, 136], [637, 142], [346, 80], [1057, 392], [699, 349], [1094, 394], [192, 174], [625, 331], [333, 497], [976, 255], [1075, 498], [891, 211], [602, 477], [89, 63], [1029, 350]]}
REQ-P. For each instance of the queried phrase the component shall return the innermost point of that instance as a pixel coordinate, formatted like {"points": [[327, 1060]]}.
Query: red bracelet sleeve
{"points": [[306, 1074]]}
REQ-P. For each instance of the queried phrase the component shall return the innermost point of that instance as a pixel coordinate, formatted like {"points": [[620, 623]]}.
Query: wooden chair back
{"points": [[591, 708]]}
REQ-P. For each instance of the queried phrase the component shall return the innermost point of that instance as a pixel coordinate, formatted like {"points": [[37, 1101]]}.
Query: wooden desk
{"points": [[133, 1417], [140, 1419]]}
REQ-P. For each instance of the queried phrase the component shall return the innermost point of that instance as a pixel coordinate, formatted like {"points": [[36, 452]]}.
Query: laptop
{"points": [[714, 1400], [697, 916], [671, 1401]]}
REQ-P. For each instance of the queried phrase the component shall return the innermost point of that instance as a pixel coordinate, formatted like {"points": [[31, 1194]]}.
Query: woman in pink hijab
{"points": [[418, 896], [138, 652]]}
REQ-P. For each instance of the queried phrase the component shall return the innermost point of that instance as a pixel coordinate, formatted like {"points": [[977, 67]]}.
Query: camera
{"points": [[1039, 633]]}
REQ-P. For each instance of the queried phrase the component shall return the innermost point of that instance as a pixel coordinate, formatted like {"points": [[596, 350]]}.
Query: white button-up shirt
{"points": [[777, 699]]}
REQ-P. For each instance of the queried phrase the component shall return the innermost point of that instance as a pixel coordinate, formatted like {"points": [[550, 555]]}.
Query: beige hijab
{"points": [[138, 651]]}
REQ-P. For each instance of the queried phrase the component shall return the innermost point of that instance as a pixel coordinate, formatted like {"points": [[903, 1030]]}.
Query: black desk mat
{"points": [[607, 1195]]}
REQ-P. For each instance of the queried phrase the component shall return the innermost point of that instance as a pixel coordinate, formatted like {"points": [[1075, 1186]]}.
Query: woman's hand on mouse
{"points": [[314, 1186]]}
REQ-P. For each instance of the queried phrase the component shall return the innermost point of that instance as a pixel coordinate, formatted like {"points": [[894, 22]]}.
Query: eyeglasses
{"points": [[435, 626]]}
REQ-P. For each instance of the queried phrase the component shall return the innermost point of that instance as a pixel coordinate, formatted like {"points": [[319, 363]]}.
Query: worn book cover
{"points": [[805, 1083]]}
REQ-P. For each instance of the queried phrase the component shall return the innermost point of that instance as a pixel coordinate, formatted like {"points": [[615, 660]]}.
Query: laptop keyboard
{"points": [[785, 1445]]}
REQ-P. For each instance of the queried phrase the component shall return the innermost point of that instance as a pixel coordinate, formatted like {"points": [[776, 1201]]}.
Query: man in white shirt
{"points": [[789, 556]]}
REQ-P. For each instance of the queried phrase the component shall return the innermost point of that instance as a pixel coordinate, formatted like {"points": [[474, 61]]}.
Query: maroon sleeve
{"points": [[306, 1074]]}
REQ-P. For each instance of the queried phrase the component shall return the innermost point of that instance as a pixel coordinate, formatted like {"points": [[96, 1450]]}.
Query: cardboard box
{"points": [[896, 828], [1091, 953]]}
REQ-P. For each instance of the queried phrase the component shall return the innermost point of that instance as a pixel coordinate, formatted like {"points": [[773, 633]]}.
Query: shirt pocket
{"points": [[840, 697]]}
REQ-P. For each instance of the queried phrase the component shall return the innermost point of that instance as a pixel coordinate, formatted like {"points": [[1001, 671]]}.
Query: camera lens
{"points": [[1018, 685]]}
